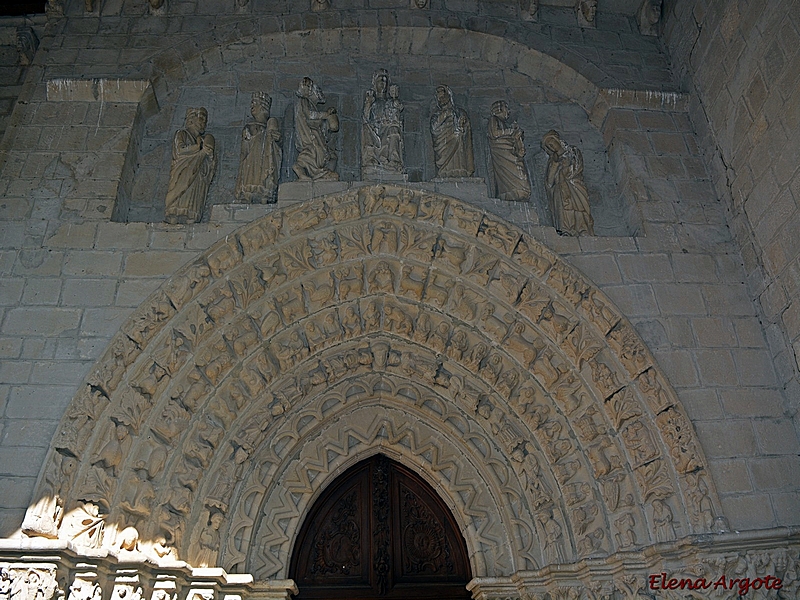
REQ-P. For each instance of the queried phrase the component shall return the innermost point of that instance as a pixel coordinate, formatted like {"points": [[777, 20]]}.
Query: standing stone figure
{"points": [[452, 137], [260, 158], [507, 148], [566, 190], [315, 160], [381, 128], [193, 166]]}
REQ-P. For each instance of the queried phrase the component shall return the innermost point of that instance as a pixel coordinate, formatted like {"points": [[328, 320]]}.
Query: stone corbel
{"points": [[87, 583], [273, 589], [493, 588]]}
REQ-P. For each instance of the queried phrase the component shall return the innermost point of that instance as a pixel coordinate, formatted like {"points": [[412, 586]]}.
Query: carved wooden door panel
{"points": [[380, 532]]}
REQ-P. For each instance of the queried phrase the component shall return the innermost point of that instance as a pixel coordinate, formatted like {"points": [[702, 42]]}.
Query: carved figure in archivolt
{"points": [[44, 517], [507, 148], [566, 189], [663, 521], [452, 137], [193, 166], [261, 154], [315, 159], [381, 128]]}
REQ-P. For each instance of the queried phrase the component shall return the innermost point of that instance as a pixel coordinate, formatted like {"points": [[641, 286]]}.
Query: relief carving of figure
{"points": [[193, 166], [553, 551], [5, 584], [381, 128], [566, 189], [260, 158], [663, 521], [507, 148], [209, 540], [44, 517], [315, 160], [452, 137]]}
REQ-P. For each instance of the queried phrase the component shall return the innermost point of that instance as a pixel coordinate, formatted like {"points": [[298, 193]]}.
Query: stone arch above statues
{"points": [[381, 319]]}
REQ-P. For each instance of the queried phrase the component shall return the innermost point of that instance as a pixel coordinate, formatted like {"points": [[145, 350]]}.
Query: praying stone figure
{"points": [[507, 148], [193, 166], [381, 128], [315, 160], [566, 190], [260, 158], [452, 137]]}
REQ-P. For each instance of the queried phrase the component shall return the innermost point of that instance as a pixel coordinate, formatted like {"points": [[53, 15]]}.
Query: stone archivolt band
{"points": [[340, 317]]}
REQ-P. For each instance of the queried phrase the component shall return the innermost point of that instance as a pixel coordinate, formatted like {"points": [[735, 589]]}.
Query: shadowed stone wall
{"points": [[740, 61]]}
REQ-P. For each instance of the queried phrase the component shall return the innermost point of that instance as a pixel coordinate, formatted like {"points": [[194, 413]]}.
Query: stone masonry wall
{"points": [[69, 277], [741, 61]]}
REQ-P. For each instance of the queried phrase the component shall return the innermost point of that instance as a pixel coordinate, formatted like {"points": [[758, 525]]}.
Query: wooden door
{"points": [[380, 532]]}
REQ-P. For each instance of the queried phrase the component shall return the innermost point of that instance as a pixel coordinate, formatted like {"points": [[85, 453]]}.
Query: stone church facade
{"points": [[592, 410]]}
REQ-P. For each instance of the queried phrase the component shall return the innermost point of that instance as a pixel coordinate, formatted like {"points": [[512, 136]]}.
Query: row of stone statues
{"points": [[194, 161]]}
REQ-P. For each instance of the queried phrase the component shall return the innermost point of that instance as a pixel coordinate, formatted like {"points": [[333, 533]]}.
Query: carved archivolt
{"points": [[383, 319]]}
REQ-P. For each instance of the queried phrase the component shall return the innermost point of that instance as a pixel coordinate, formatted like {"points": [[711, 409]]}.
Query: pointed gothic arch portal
{"points": [[384, 319], [380, 531]]}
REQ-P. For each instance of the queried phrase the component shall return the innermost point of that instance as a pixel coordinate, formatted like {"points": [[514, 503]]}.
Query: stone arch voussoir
{"points": [[172, 67], [381, 319]]}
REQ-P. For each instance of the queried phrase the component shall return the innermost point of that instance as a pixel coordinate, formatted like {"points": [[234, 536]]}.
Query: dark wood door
{"points": [[380, 532]]}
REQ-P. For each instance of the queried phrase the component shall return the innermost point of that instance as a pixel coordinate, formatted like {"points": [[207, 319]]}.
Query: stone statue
{"points": [[452, 137], [566, 190], [381, 128], [507, 149], [260, 157], [315, 160], [193, 165], [320, 5], [587, 12]]}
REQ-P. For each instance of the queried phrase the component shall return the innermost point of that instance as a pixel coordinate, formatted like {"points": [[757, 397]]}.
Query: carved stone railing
{"points": [[758, 565], [42, 569]]}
